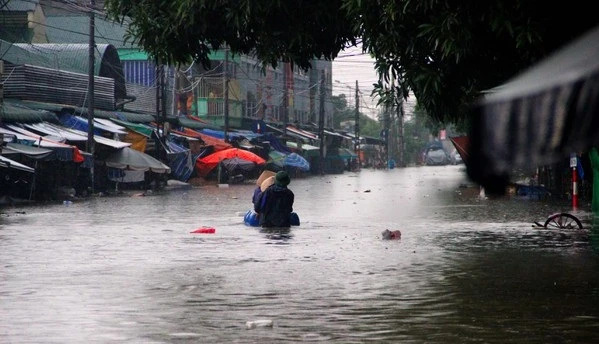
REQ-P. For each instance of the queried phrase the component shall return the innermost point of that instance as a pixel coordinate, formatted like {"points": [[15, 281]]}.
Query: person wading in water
{"points": [[275, 204]]}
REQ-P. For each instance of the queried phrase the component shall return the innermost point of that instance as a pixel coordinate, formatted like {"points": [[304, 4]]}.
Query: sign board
{"points": [[573, 161]]}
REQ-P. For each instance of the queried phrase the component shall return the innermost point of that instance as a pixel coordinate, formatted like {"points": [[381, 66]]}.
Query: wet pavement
{"points": [[466, 269]]}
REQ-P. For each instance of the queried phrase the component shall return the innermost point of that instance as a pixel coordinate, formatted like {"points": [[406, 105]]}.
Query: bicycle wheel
{"points": [[563, 221]]}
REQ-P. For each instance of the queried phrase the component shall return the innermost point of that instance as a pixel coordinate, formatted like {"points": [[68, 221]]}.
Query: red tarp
{"points": [[206, 164], [462, 145]]}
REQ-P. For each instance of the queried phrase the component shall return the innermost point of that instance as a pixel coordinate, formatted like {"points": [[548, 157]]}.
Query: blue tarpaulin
{"points": [[296, 160], [180, 161]]}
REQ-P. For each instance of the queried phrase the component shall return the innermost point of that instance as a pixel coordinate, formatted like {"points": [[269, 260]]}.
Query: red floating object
{"points": [[204, 230]]}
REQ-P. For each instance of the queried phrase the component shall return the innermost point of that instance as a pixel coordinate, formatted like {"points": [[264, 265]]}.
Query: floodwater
{"points": [[466, 270]]}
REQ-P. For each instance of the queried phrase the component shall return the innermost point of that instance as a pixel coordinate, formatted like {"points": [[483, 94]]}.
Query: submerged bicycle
{"points": [[561, 221]]}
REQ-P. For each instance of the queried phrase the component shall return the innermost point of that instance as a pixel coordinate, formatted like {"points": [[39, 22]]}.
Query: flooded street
{"points": [[466, 270]]}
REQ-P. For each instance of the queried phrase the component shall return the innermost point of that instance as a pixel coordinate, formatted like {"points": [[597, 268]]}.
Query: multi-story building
{"points": [[280, 95]]}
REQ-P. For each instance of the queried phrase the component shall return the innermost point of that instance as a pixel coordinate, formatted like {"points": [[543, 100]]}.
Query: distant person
{"points": [[275, 204]]}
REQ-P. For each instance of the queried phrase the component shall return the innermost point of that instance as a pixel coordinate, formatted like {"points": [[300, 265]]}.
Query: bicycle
{"points": [[561, 221]]}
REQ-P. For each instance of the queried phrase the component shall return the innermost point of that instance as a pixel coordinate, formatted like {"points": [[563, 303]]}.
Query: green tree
{"points": [[416, 136], [369, 127], [445, 51], [343, 112]]}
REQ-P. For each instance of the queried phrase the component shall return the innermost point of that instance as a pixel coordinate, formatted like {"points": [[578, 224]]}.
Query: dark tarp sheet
{"points": [[539, 117]]}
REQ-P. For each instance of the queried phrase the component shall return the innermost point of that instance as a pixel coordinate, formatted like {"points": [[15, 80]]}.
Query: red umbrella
{"points": [[207, 163]]}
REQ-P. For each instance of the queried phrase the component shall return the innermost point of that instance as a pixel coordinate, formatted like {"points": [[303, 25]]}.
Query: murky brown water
{"points": [[467, 270]]}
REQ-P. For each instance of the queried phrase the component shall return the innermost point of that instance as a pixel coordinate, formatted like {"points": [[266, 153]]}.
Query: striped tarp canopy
{"points": [[539, 117]]}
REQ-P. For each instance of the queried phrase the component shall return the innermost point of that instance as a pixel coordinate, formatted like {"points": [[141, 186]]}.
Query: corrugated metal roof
{"points": [[42, 84], [132, 117], [69, 57], [19, 5], [74, 29]]}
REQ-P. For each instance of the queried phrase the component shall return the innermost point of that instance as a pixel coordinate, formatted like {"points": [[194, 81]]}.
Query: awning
{"points": [[111, 124], [130, 159], [74, 135], [218, 144], [306, 150], [30, 151], [25, 135], [302, 133], [142, 129], [539, 117], [332, 133], [81, 124], [220, 134], [345, 153], [48, 130], [7, 163]]}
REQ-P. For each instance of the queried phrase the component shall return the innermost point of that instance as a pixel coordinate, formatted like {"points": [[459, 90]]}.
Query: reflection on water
{"points": [[467, 269]]}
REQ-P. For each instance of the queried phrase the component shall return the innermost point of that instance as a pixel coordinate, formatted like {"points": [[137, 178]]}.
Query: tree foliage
{"points": [[179, 31], [445, 51]]}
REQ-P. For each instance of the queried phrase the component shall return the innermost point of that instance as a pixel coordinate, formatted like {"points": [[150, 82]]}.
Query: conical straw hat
{"points": [[267, 182], [264, 175]]}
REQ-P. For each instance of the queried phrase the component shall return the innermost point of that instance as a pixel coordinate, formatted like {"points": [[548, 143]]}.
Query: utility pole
{"points": [[1, 85], [226, 94], [386, 131], [357, 126], [400, 138], [175, 102], [321, 123], [90, 89], [161, 111], [285, 98], [165, 126]]}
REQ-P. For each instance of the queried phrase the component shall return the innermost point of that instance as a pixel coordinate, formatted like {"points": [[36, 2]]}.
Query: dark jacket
{"points": [[274, 206]]}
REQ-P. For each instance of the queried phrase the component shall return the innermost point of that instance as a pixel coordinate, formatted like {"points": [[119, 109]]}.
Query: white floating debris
{"points": [[258, 323]]}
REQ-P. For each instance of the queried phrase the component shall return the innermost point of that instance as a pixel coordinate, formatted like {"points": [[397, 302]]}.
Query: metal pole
{"points": [[90, 89], [285, 98], [357, 126], [321, 123], [574, 188], [226, 95], [573, 164], [400, 132]]}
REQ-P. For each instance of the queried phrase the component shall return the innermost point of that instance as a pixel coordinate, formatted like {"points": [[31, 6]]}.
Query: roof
{"points": [[193, 123], [20, 5], [16, 112], [67, 57], [74, 29]]}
